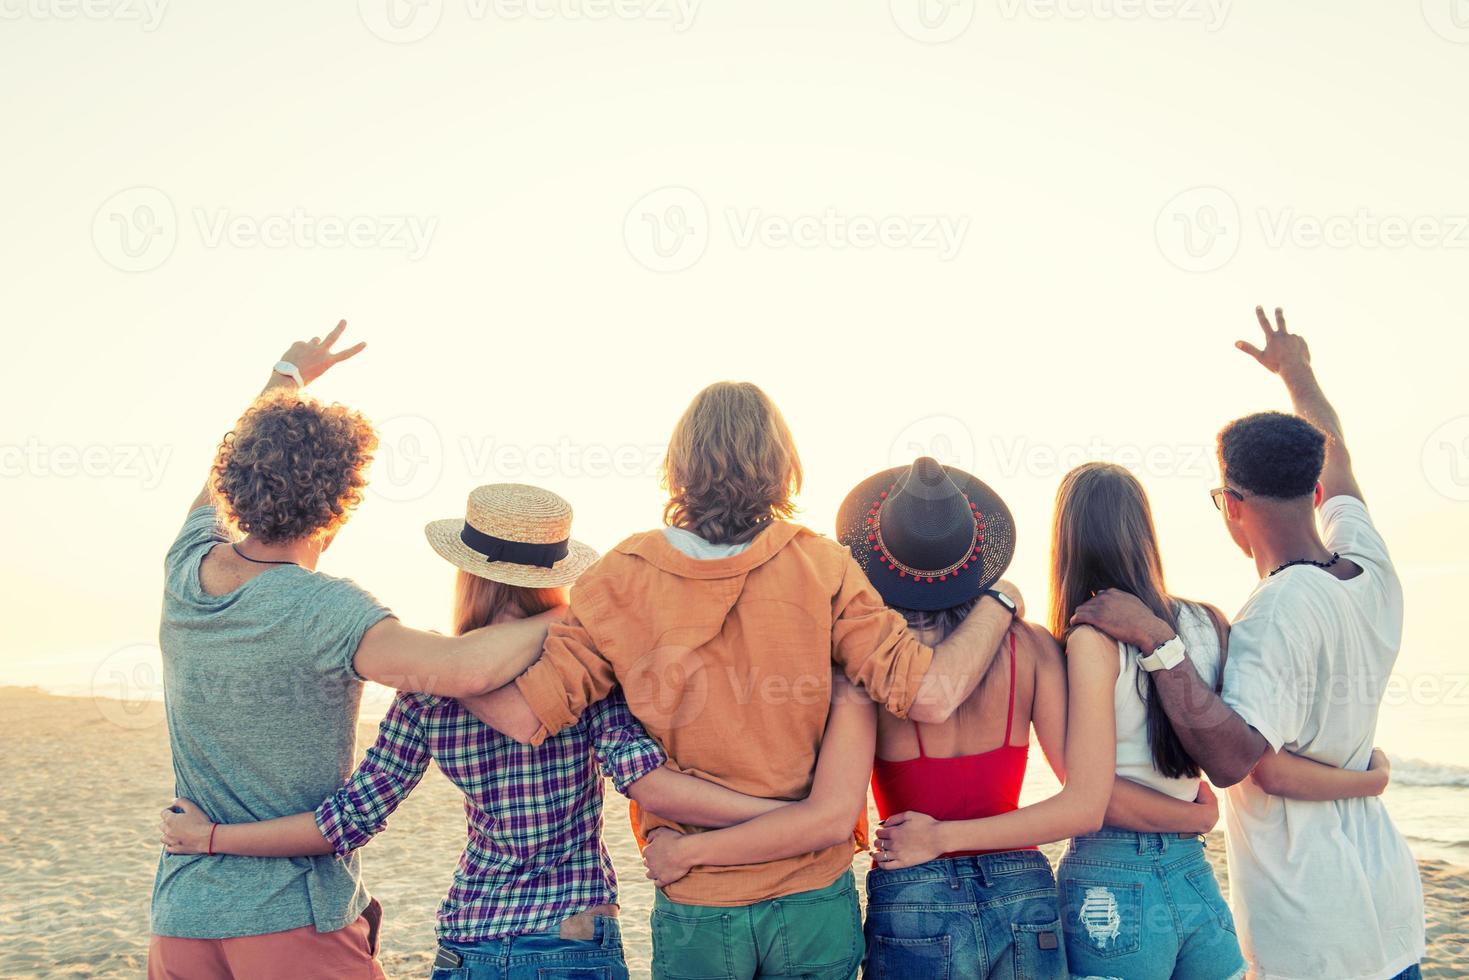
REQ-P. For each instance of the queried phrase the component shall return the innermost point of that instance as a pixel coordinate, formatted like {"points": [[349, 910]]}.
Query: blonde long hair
{"points": [[479, 602], [732, 465]]}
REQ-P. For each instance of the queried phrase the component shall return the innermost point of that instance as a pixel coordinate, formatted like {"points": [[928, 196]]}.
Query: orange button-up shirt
{"points": [[727, 663]]}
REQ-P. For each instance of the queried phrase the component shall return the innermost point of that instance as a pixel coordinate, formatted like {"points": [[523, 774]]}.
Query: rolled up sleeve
{"points": [[624, 750], [571, 674], [357, 812], [873, 645]]}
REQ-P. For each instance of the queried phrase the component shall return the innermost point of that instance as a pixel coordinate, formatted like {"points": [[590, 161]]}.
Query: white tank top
{"points": [[1134, 756]]}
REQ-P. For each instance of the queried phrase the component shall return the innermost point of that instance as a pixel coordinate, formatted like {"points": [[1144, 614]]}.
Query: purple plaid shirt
{"points": [[535, 853]]}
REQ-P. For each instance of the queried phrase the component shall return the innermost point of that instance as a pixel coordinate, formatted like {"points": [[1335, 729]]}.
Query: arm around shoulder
{"points": [[450, 666]]}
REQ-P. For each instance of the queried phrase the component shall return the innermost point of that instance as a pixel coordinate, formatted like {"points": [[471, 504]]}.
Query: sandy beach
{"points": [[78, 850]]}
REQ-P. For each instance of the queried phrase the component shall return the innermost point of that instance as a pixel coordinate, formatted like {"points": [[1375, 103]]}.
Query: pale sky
{"points": [[1015, 235]]}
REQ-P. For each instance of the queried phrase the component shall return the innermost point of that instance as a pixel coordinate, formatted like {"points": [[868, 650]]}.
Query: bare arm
{"points": [[1298, 778], [1287, 355], [451, 666], [1215, 737], [1136, 807], [824, 819], [1048, 707], [963, 658], [312, 358], [908, 839], [506, 711], [1131, 806], [344, 821], [694, 802], [188, 831]]}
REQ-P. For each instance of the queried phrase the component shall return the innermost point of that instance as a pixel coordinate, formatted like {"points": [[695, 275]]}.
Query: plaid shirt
{"points": [[535, 854]]}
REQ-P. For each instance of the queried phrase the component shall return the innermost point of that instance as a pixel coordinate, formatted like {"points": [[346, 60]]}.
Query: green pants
{"points": [[815, 935]]}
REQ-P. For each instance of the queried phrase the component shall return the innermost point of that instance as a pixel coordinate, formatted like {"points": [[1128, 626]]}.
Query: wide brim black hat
{"points": [[908, 530]]}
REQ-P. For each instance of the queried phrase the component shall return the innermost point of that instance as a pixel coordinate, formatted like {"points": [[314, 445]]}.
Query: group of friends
{"points": [[744, 680]]}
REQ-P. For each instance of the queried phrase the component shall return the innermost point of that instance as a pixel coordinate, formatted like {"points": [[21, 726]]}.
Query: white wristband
{"points": [[291, 371], [1166, 657]]}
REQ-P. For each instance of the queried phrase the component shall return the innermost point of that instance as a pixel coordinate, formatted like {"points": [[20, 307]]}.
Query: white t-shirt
{"points": [[1321, 889], [1134, 753]]}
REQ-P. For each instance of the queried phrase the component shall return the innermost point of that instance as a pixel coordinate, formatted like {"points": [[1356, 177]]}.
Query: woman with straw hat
{"points": [[535, 885]]}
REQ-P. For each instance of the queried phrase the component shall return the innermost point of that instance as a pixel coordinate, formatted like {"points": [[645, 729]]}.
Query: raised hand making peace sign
{"points": [[313, 357], [1284, 352]]}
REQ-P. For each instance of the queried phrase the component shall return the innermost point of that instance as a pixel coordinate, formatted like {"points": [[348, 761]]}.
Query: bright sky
{"points": [[1011, 238]]}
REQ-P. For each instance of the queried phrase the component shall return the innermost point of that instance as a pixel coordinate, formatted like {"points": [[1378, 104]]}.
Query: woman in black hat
{"points": [[956, 892]]}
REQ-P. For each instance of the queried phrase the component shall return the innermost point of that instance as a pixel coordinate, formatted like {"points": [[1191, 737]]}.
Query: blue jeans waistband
{"points": [[1142, 843], [983, 866], [606, 932]]}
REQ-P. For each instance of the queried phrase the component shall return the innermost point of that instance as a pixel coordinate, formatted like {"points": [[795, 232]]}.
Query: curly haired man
{"points": [[264, 659]]}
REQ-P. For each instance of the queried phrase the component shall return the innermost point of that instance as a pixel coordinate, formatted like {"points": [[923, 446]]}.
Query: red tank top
{"points": [[964, 787]]}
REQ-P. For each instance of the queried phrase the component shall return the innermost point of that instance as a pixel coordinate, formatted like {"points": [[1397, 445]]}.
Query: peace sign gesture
{"points": [[1284, 351], [313, 357]]}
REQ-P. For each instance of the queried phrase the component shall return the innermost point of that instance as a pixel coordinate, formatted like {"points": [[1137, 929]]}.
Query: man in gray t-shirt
{"points": [[263, 664], [262, 714]]}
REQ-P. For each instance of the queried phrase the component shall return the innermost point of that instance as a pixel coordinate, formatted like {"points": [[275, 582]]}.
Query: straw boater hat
{"points": [[514, 534], [928, 536]]}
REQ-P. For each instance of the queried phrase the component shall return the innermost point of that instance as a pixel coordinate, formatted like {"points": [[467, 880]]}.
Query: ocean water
{"points": [[1425, 732]]}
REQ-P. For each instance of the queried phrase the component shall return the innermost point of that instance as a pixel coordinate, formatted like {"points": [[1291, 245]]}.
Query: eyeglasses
{"points": [[1217, 494]]}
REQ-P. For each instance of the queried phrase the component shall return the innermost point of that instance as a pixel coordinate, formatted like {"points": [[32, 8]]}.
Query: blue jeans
{"points": [[538, 956], [964, 919], [1145, 907], [1414, 972]]}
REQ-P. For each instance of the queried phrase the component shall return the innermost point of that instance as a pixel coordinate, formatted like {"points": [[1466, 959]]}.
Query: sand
{"points": [[85, 779]]}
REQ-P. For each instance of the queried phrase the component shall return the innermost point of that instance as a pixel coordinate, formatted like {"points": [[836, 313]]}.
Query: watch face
{"points": [[1005, 600]]}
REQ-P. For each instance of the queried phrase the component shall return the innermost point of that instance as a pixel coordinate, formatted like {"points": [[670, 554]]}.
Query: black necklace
{"points": [[258, 561], [1308, 561]]}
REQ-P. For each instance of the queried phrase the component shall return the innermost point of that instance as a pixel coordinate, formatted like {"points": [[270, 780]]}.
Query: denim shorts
{"points": [[1145, 907], [537, 956], [965, 918]]}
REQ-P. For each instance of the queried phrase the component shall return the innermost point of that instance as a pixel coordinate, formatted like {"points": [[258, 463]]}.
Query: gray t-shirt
{"points": [[262, 701]]}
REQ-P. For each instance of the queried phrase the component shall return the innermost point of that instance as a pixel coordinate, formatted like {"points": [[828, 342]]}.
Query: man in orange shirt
{"points": [[722, 629]]}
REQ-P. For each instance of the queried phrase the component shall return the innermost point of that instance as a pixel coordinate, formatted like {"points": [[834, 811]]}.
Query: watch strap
{"points": [[291, 371]]}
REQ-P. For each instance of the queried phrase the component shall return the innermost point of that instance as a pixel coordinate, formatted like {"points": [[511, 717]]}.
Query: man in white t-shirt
{"points": [[1318, 889]]}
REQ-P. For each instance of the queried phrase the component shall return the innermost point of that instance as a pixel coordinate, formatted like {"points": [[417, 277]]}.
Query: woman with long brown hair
{"points": [[1144, 870], [1132, 800], [534, 889]]}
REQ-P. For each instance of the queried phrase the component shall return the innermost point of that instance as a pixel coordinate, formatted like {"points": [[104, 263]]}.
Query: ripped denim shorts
{"points": [[1145, 906]]}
